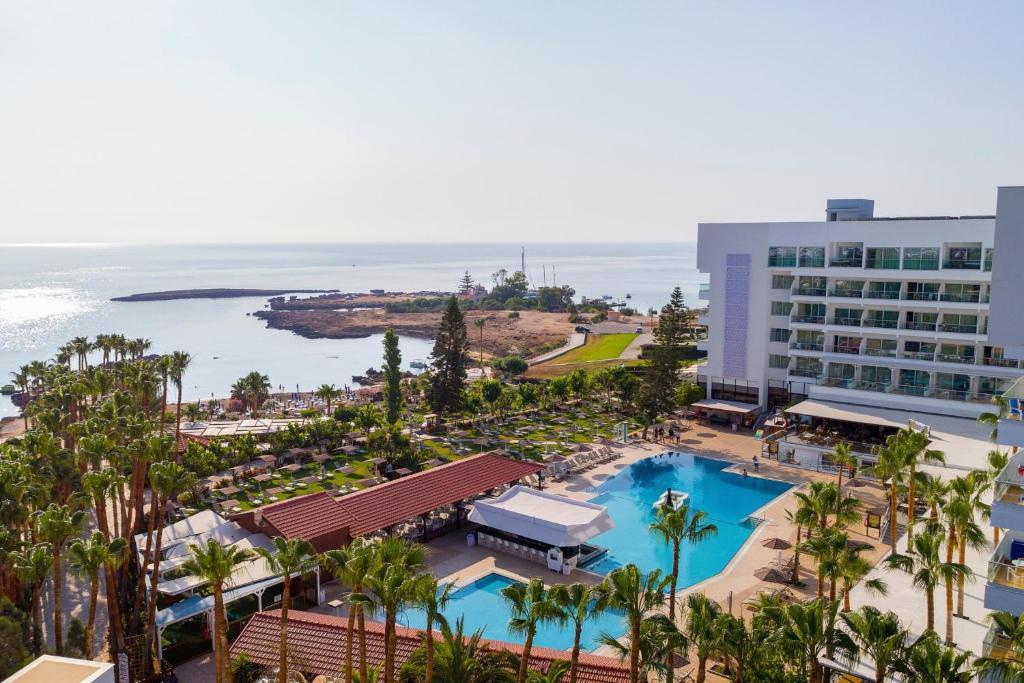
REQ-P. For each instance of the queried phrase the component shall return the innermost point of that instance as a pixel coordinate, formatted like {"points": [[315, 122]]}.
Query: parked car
{"points": [[583, 329], [639, 329]]}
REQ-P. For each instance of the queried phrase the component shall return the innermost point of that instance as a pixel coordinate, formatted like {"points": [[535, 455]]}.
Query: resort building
{"points": [[893, 313]]}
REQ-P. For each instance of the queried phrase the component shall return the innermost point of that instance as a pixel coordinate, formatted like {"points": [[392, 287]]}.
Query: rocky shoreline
{"points": [[215, 293]]}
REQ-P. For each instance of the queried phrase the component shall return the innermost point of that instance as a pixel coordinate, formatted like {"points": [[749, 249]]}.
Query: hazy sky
{"points": [[495, 121]]}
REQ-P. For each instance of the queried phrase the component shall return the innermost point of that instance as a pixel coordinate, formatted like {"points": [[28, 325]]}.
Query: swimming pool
{"points": [[481, 606], [727, 498]]}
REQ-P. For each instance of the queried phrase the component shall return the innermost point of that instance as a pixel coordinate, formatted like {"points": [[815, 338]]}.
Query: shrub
{"points": [[511, 365]]}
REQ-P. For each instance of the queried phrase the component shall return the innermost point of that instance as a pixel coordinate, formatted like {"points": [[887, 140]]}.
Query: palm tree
{"points": [[433, 599], [1007, 664], [970, 491], [842, 458], [800, 518], [892, 466], [702, 629], [660, 640], [555, 673], [57, 525], [878, 635], [826, 549], [461, 658], [1002, 405], [933, 491], [289, 557], [480, 323], [180, 360], [926, 661], [578, 603], [327, 393], [88, 558], [851, 568], [215, 563], [916, 444], [530, 606], [997, 460], [826, 500], [924, 561], [33, 565], [674, 526], [807, 630], [636, 595], [352, 566]]}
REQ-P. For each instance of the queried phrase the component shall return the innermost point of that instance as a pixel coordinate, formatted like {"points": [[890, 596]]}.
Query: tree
{"points": [[392, 377], [465, 283], [851, 567], [702, 629], [926, 661], [658, 387], [806, 630], [327, 393], [997, 460], [479, 324], [215, 563], [352, 566], [827, 549], [289, 557], [88, 558], [915, 443], [461, 658], [555, 673], [674, 526], [636, 595], [33, 565], [1002, 405], [688, 393], [448, 361], [1007, 664], [842, 459], [510, 366], [924, 561], [57, 525], [660, 640], [577, 603], [892, 465], [529, 605], [878, 635], [433, 600]]}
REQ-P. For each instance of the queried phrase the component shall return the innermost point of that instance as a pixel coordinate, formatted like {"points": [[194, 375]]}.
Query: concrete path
{"points": [[632, 352], [576, 340]]}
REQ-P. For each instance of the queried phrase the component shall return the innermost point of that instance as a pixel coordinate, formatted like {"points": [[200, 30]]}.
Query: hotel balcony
{"points": [[846, 262], [808, 319], [807, 346], [1011, 428], [962, 264], [1008, 495], [919, 326], [1004, 587], [809, 291], [996, 644], [880, 294], [847, 322], [704, 291], [847, 293], [805, 372]]}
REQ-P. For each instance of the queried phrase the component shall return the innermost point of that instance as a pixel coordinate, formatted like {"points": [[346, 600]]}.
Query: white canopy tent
{"points": [[541, 516]]}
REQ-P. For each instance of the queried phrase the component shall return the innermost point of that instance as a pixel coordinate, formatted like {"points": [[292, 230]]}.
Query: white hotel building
{"points": [[892, 313]]}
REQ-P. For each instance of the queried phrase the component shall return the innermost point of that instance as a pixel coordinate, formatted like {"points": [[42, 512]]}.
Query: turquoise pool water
{"points": [[482, 607], [728, 499]]}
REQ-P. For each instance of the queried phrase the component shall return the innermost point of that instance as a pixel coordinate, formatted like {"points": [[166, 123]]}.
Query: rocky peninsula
{"points": [[215, 293]]}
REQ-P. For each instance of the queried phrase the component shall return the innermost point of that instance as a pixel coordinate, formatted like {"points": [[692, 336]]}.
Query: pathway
{"points": [[576, 340]]}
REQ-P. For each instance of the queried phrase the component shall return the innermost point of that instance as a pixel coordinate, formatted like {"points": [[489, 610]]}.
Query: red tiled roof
{"points": [[396, 501], [184, 439], [316, 645], [307, 516]]}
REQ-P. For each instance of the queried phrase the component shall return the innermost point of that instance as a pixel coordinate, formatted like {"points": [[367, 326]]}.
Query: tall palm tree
{"points": [[880, 636], [327, 393], [33, 565], [180, 361], [57, 525], [992, 419], [433, 600], [636, 595], [827, 501], [842, 457], [924, 561], [555, 673], [826, 549], [807, 630], [927, 661], [578, 604], [88, 558], [892, 466], [702, 629], [215, 563], [530, 606], [480, 323], [461, 658], [802, 517], [997, 460], [673, 526], [915, 444], [1006, 665], [971, 490], [289, 557], [352, 566], [660, 641]]}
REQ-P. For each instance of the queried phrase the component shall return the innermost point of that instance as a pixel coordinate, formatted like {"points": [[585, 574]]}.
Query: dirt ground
{"points": [[531, 333]]}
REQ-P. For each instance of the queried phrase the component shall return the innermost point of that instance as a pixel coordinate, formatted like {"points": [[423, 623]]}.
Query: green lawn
{"points": [[598, 347]]}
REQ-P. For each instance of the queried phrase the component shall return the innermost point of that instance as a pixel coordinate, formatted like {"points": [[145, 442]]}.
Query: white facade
{"points": [[874, 311]]}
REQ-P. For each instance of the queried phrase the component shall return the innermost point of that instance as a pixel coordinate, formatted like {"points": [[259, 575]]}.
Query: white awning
{"points": [[194, 525], [726, 406], [545, 517], [837, 411]]}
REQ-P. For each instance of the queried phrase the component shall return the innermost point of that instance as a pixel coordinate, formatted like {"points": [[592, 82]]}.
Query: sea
{"points": [[51, 293]]}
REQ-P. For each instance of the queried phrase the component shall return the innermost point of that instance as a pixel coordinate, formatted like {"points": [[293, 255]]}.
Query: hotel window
{"points": [[810, 313], [883, 348], [914, 381], [809, 340], [878, 378], [995, 356], [921, 258], [956, 353], [781, 307], [847, 316], [959, 324], [922, 291], [993, 386], [962, 293], [806, 367], [784, 257], [779, 334], [778, 361], [963, 256], [883, 258], [952, 385], [886, 319], [811, 286], [849, 345], [853, 289], [988, 259], [812, 257], [883, 290], [841, 371], [849, 255], [923, 322], [782, 281], [914, 350]]}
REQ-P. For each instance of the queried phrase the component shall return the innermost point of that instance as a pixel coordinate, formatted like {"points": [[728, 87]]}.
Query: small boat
{"points": [[418, 365], [673, 499], [8, 389]]}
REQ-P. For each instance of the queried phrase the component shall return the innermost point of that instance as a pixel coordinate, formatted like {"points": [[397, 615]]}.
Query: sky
{"points": [[495, 121]]}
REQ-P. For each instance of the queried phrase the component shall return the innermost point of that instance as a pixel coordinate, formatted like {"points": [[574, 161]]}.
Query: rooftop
{"points": [[51, 669], [546, 517], [308, 516]]}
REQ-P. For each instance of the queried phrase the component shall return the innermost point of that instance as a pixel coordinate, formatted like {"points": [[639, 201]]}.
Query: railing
{"points": [[920, 326], [809, 291], [850, 350], [1000, 569], [995, 645], [960, 264], [918, 355], [812, 262], [882, 263], [881, 294], [882, 323], [848, 293], [985, 396], [849, 322], [807, 346], [949, 394], [1001, 362], [805, 372], [909, 390], [880, 353], [882, 387], [920, 264], [815, 319], [921, 296], [959, 329], [782, 261], [840, 382], [847, 262], [954, 358], [962, 298]]}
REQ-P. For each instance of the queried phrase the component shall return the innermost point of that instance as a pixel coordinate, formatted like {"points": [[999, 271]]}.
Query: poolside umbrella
{"points": [[581, 448], [777, 544], [553, 457], [771, 575]]}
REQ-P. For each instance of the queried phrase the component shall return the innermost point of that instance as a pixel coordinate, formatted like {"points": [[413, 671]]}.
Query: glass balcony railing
{"points": [[920, 264], [782, 261], [848, 322], [813, 319], [996, 645], [1001, 362], [920, 326], [848, 350], [958, 328], [848, 293], [881, 294], [921, 296], [962, 298], [949, 394], [809, 291], [805, 372], [962, 264], [882, 263], [812, 262], [880, 353], [847, 262], [881, 387], [1001, 570], [882, 323], [840, 382], [807, 346], [954, 358], [909, 390], [918, 355]]}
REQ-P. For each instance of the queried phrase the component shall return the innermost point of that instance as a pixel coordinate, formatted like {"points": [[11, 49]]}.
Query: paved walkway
{"points": [[576, 340], [632, 352]]}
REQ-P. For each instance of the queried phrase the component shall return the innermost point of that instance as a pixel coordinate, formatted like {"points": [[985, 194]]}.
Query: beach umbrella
{"points": [[771, 575], [581, 448], [553, 457], [777, 544]]}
